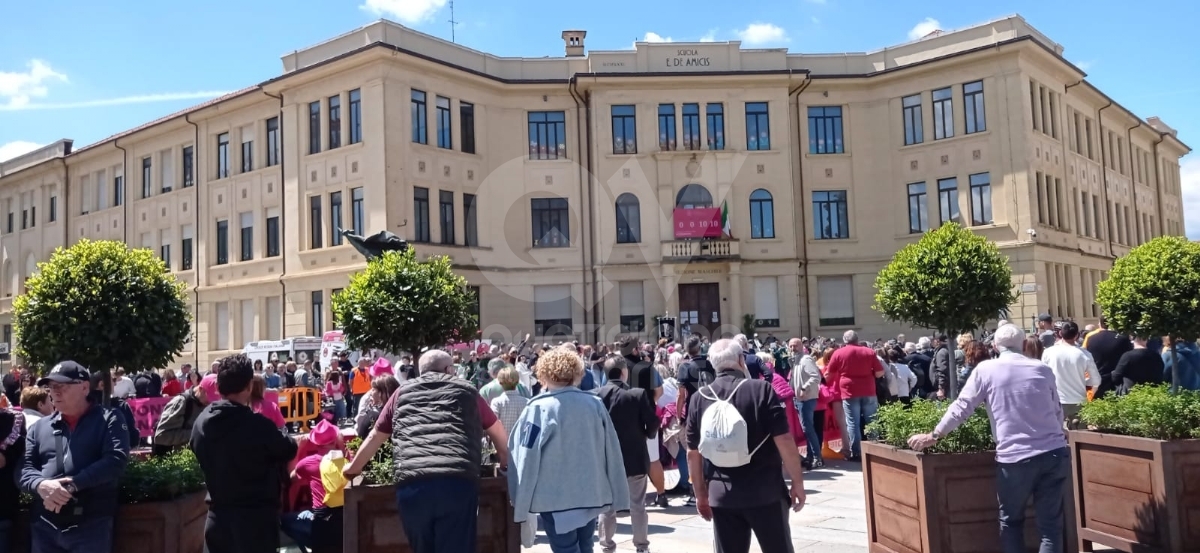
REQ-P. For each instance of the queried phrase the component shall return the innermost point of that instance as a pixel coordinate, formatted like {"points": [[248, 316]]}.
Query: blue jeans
{"points": [[94, 535], [1044, 478], [860, 411], [681, 461], [439, 515], [339, 409], [578, 540], [807, 408], [299, 527]]}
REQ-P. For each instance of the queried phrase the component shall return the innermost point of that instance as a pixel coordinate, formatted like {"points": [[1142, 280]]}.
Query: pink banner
{"points": [[703, 222], [146, 412]]}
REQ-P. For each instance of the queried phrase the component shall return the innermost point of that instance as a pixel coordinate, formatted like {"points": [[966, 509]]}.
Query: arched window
{"points": [[762, 214], [693, 196], [629, 219]]}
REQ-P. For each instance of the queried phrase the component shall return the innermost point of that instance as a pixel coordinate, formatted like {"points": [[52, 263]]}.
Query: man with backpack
{"points": [[729, 425], [174, 429]]}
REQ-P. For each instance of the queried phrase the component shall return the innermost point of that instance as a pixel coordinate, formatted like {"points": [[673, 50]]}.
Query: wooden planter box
{"points": [[1137, 495], [921, 503], [372, 524], [162, 527]]}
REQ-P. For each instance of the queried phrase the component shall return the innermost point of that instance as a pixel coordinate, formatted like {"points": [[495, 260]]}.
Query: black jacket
{"points": [[920, 363], [641, 372], [12, 448], [940, 377], [147, 384], [97, 450], [634, 419], [243, 456]]}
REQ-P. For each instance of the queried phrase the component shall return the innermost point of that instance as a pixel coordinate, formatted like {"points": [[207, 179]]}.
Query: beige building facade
{"points": [[589, 193]]}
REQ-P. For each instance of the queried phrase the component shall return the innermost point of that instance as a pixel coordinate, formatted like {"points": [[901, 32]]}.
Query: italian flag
{"points": [[725, 228]]}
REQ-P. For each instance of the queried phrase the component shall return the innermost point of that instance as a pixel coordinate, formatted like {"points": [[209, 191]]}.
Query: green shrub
{"points": [[895, 423], [161, 478], [380, 470], [1147, 412]]}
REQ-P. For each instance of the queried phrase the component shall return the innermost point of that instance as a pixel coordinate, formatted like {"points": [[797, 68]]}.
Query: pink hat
{"points": [[381, 367], [323, 433], [209, 385]]}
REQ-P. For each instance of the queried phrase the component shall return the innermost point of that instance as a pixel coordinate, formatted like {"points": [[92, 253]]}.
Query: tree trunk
{"points": [[952, 393], [1174, 368]]}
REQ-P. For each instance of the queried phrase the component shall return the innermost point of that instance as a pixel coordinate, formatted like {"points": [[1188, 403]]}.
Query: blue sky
{"points": [[85, 70]]}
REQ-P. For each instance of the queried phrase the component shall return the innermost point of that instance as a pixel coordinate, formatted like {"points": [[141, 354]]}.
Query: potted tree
{"points": [[1134, 471]]}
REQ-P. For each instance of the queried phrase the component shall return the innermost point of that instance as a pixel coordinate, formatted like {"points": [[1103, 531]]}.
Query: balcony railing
{"points": [[700, 250]]}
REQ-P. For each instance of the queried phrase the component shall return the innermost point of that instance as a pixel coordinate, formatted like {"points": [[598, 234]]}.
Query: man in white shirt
{"points": [[122, 385], [1074, 372]]}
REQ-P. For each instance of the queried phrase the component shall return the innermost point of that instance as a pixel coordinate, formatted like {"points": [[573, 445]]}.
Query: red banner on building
{"points": [[703, 222]]}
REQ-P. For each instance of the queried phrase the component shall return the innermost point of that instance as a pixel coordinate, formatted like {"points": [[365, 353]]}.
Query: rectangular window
{"points": [[758, 126], [466, 125], [470, 220], [358, 217], [24, 219], [716, 126], [547, 135], [551, 223], [943, 113], [836, 299], [335, 218], [552, 310], [1085, 223], [633, 306], [445, 138], [446, 215], [314, 127], [33, 215], [981, 199], [146, 176], [118, 190], [355, 116], [666, 127], [272, 142], [918, 208], [274, 318], [222, 242], [53, 215], [1034, 106], [419, 113], [247, 238], [222, 155], [691, 126], [624, 129], [189, 166], [973, 107], [831, 215], [185, 249], [272, 233], [948, 199], [1087, 125], [247, 311], [8, 226], [825, 130], [247, 156], [914, 125], [316, 238], [222, 323], [766, 302], [166, 174], [420, 214], [334, 117], [318, 312]]}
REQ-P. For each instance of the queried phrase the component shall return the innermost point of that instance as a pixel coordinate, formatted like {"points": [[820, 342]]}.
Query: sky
{"points": [[86, 70]]}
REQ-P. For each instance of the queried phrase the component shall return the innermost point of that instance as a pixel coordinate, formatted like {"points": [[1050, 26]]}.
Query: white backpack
{"points": [[724, 439]]}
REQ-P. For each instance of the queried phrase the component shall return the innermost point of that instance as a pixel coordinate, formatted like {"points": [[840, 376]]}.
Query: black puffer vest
{"points": [[436, 429]]}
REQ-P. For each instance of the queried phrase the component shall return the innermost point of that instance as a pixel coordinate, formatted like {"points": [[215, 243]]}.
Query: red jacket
{"points": [[853, 368]]}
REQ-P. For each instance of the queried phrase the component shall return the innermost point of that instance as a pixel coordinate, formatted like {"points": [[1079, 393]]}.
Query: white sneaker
{"points": [[643, 550]]}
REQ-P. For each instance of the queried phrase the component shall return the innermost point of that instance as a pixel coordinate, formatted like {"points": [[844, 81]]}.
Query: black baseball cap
{"points": [[1045, 318], [66, 372]]}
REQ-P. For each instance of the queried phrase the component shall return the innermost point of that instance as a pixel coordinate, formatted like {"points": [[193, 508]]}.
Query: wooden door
{"points": [[700, 307]]}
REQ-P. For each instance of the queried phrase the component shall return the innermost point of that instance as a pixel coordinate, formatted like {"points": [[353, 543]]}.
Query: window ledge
{"points": [[941, 141], [559, 161], [569, 249], [811, 155], [827, 328], [775, 240], [851, 240]]}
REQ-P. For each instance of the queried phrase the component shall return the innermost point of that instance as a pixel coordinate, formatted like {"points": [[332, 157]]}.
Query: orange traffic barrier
{"points": [[300, 405]]}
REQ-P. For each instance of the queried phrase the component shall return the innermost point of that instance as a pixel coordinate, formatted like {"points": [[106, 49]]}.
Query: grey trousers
{"points": [[638, 519]]}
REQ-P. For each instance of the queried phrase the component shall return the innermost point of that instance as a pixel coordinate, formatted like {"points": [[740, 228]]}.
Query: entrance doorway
{"points": [[700, 307]]}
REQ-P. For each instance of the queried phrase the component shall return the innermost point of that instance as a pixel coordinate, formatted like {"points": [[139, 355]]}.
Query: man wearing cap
{"points": [[1045, 326], [75, 494], [174, 427]]}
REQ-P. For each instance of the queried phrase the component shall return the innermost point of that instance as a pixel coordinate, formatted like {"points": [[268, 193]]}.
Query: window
{"points": [[273, 232], [552, 310], [693, 196], [222, 155], [836, 297], [189, 166], [247, 309], [914, 125], [762, 214], [358, 218], [1085, 222], [146, 177], [247, 237], [766, 302], [943, 113], [8, 226], [466, 125], [918, 209], [470, 220], [318, 312], [335, 121], [446, 215], [316, 239], [420, 132], [274, 318], [547, 135], [314, 127], [981, 199], [185, 249], [335, 218], [421, 214], [33, 216], [948, 199], [247, 155], [629, 219], [445, 138], [624, 129], [355, 116], [222, 324], [633, 306], [272, 142], [973, 107], [53, 209], [825, 130], [758, 126], [831, 219], [118, 190], [691, 126], [666, 126], [551, 223], [716, 126], [222, 242]]}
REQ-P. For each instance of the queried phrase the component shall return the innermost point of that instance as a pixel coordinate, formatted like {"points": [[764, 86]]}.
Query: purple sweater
{"points": [[1022, 401]]}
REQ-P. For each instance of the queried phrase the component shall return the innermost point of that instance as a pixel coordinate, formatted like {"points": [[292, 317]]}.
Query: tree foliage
{"points": [[1154, 290], [951, 280], [102, 305], [399, 304]]}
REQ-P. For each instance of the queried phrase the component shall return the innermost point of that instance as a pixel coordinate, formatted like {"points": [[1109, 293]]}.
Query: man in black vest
{"points": [[436, 423]]}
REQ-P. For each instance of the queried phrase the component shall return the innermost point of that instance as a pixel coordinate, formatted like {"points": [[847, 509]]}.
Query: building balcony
{"points": [[681, 251]]}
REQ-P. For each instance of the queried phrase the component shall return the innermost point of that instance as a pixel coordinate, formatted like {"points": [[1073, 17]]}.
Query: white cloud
{"points": [[815, 21], [18, 88], [17, 148], [710, 36], [1189, 181], [124, 100], [407, 11], [1085, 65], [762, 33], [923, 28], [655, 37]]}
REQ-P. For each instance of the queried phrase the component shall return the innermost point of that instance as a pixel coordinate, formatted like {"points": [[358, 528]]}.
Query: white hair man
{"points": [[748, 497], [494, 389], [854, 368], [1031, 446]]}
